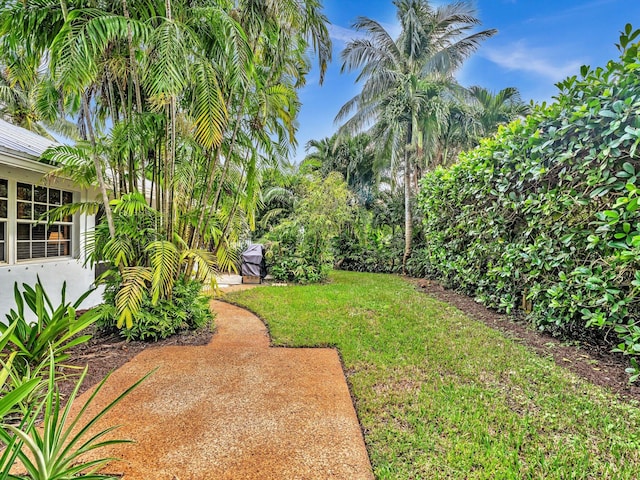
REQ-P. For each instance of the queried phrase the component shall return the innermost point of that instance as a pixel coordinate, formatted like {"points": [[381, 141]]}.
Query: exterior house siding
{"points": [[19, 165]]}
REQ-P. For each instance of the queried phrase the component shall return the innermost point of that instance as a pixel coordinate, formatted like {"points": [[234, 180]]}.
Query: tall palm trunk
{"points": [[408, 217], [98, 165], [133, 66]]}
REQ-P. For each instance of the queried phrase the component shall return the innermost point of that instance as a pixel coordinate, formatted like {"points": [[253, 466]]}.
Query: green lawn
{"points": [[442, 396]]}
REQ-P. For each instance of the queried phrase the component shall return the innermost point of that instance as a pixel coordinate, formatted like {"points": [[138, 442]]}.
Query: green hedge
{"points": [[549, 209]]}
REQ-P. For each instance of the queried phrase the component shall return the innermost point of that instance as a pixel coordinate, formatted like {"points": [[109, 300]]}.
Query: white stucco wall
{"points": [[52, 274], [54, 271]]}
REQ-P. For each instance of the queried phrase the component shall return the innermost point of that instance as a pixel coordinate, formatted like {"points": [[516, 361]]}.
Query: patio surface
{"points": [[235, 409]]}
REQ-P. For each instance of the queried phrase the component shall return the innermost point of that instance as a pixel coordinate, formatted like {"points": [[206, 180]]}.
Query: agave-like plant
{"points": [[11, 399], [53, 450]]}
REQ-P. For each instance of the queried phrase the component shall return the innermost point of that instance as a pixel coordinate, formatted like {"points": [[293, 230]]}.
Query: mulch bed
{"points": [[594, 363], [106, 352]]}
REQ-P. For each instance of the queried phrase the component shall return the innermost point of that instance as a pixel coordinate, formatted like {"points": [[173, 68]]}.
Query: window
{"points": [[4, 207], [35, 238]]}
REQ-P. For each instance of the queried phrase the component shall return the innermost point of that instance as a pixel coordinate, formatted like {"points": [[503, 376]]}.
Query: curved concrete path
{"points": [[235, 409]]}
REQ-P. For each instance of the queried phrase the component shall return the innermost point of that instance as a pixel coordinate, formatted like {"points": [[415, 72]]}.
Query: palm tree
{"points": [[404, 79], [181, 103], [351, 156], [493, 109]]}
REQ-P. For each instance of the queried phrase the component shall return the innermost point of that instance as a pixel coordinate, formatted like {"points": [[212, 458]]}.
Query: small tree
{"points": [[300, 248]]}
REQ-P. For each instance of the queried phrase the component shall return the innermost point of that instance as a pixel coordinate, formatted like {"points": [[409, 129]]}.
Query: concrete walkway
{"points": [[235, 409]]}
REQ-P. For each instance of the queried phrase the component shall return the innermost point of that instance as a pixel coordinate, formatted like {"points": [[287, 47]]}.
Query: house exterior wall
{"points": [[52, 271]]}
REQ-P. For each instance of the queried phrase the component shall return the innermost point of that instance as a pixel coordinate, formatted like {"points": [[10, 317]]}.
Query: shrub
{"points": [[54, 330], [50, 443], [300, 248], [549, 209], [186, 309], [374, 239], [36, 426]]}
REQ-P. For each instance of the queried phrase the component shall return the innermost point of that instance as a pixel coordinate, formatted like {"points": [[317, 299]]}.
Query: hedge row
{"points": [[549, 209]]}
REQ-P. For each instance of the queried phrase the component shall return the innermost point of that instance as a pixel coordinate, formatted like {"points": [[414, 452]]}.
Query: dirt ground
{"points": [[106, 352], [596, 364]]}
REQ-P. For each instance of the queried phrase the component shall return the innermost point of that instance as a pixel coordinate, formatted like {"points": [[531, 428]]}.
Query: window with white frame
{"points": [[4, 209], [35, 238]]}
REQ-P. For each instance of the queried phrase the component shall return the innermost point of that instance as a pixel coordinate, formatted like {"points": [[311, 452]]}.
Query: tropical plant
{"points": [[44, 329], [11, 397], [352, 157], [188, 309], [301, 247], [181, 103], [495, 109], [140, 261], [404, 80], [54, 449]]}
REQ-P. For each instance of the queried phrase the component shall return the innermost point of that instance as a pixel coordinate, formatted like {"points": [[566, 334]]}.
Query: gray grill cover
{"points": [[253, 263]]}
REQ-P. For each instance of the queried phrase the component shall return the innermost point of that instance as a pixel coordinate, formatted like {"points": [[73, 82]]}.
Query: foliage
{"points": [[440, 395], [178, 105], [37, 431], [53, 450], [187, 309], [11, 397], [141, 262], [373, 240], [406, 85], [352, 157], [300, 248], [49, 330], [549, 209]]}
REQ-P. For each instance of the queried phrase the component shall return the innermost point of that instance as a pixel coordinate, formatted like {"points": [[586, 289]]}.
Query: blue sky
{"points": [[539, 42]]}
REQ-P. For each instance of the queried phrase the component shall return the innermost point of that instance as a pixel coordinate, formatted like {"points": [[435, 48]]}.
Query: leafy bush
{"points": [[288, 259], [141, 261], [36, 426], [549, 209], [55, 329], [12, 395], [300, 248], [186, 309], [374, 239], [376, 250]]}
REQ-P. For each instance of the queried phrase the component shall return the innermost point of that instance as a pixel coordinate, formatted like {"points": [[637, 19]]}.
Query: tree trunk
{"points": [[408, 218], [98, 165], [136, 84]]}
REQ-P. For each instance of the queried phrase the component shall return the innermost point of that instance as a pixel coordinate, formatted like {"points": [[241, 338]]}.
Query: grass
{"points": [[442, 396]]}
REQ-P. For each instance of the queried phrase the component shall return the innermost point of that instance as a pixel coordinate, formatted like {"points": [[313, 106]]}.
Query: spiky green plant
{"points": [[44, 327], [53, 450]]}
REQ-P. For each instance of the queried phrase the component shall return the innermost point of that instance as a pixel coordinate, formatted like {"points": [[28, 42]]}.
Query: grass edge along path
{"points": [[440, 395]]}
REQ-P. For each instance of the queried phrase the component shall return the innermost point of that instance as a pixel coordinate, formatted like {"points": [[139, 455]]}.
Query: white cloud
{"points": [[343, 35], [540, 61]]}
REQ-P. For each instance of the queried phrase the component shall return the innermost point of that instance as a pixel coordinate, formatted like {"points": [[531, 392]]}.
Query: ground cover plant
{"points": [[549, 209], [442, 396]]}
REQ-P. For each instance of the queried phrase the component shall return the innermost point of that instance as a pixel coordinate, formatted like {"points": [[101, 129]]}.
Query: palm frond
{"points": [[209, 108], [165, 263], [120, 252], [129, 297]]}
